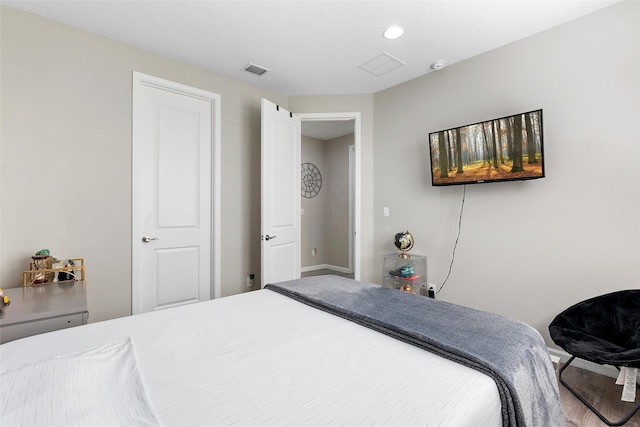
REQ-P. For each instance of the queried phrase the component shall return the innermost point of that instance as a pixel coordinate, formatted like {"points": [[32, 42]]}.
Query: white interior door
{"points": [[174, 128], [280, 194]]}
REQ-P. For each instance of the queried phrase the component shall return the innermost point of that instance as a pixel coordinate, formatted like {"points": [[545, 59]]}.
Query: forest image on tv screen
{"points": [[509, 148]]}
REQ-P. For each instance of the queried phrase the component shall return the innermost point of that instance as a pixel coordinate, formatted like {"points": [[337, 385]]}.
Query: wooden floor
{"points": [[601, 392]]}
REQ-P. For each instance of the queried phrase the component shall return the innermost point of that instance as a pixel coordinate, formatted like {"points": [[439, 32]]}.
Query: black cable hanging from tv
{"points": [[455, 245]]}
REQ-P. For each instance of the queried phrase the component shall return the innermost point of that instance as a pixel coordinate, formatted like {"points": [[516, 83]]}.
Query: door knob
{"points": [[267, 237], [146, 239]]}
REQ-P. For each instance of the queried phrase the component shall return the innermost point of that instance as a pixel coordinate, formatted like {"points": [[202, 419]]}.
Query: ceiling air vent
{"points": [[382, 64], [255, 69]]}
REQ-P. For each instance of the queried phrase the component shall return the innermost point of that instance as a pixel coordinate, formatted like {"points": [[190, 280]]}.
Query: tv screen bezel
{"points": [[487, 181]]}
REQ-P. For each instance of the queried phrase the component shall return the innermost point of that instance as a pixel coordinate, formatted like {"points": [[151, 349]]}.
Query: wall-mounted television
{"points": [[505, 149]]}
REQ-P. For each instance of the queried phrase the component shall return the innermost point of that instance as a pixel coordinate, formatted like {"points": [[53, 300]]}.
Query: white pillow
{"points": [[101, 386]]}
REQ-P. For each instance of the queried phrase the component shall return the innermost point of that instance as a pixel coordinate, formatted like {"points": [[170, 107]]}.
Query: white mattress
{"points": [[263, 359]]}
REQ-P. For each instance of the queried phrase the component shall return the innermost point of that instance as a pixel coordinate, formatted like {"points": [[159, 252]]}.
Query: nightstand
{"points": [[38, 309], [407, 274]]}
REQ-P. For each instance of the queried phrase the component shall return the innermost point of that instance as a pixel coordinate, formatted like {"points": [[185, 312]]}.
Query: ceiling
{"points": [[327, 129], [314, 47]]}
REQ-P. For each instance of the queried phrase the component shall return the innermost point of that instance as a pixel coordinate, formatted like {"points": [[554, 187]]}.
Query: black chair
{"points": [[603, 330]]}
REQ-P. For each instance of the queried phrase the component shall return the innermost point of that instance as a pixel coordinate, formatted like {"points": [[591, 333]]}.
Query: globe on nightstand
{"points": [[404, 242]]}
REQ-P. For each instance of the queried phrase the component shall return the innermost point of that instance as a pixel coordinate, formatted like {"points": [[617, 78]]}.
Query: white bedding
{"points": [[263, 359], [97, 387]]}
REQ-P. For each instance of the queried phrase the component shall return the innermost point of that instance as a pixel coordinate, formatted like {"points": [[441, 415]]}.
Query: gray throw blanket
{"points": [[512, 353]]}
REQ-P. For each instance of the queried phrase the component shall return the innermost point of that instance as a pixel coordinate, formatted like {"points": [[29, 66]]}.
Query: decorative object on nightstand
{"points": [[4, 300], [41, 262], [406, 274], [404, 242], [46, 269]]}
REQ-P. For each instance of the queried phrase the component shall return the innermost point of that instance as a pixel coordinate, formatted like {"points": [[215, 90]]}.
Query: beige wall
{"points": [[325, 223], [66, 156], [526, 249]]}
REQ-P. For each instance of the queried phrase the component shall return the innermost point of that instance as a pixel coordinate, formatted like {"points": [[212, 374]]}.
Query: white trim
{"points": [[352, 183], [357, 142], [609, 371], [325, 267]]}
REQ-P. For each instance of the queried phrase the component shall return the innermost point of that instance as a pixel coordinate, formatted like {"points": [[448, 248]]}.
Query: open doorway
{"points": [[330, 190]]}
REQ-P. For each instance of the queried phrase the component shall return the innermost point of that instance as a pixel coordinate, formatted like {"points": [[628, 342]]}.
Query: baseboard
{"points": [[609, 371], [325, 267]]}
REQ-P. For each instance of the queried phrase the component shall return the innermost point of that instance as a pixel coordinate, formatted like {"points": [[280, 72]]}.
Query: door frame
{"points": [[352, 214], [138, 80], [357, 172]]}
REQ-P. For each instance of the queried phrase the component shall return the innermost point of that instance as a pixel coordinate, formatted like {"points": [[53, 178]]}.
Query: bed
{"points": [[307, 352]]}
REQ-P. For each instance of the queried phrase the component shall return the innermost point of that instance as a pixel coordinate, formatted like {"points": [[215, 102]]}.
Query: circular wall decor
{"points": [[311, 180]]}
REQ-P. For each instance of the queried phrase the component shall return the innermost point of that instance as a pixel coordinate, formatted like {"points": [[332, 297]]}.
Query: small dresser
{"points": [[37, 309]]}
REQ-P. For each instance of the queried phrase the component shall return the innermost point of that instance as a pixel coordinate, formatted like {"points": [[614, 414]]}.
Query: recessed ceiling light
{"points": [[393, 32]]}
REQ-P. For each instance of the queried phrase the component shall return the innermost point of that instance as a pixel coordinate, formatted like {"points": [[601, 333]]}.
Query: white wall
{"points": [[526, 249], [66, 156]]}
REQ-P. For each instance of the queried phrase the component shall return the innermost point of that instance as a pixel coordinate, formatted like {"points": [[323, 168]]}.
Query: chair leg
{"points": [[588, 405]]}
